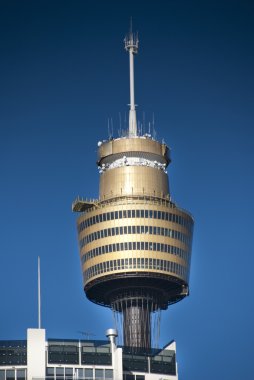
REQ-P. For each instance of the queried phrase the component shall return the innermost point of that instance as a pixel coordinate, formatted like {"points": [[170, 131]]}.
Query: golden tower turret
{"points": [[135, 243]]}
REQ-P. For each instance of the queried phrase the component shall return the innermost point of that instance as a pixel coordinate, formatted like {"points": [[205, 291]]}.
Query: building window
{"points": [[129, 377], [88, 374], [21, 374], [10, 374], [59, 373], [99, 374], [108, 374], [2, 375]]}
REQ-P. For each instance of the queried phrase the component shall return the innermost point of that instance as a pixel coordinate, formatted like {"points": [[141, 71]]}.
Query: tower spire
{"points": [[131, 45]]}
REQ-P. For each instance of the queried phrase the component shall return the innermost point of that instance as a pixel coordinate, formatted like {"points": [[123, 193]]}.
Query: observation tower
{"points": [[135, 243]]}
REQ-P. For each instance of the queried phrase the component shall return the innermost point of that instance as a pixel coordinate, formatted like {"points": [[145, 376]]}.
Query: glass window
{"points": [[79, 372], [140, 377], [50, 372], [129, 213], [133, 213], [108, 374], [112, 215], [2, 375], [129, 377], [142, 213], [10, 374], [146, 213], [138, 213], [124, 214], [88, 373], [120, 214], [59, 372], [99, 374], [21, 374]]}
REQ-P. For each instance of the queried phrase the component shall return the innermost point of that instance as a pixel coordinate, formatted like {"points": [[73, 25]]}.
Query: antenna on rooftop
{"points": [[131, 45], [87, 334], [39, 293]]}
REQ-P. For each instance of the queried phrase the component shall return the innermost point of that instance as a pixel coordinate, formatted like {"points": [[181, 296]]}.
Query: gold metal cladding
{"points": [[135, 204], [137, 144], [135, 269], [129, 254], [133, 180], [127, 204], [119, 271]]}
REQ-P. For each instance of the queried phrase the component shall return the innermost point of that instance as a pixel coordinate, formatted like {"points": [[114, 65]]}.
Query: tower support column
{"points": [[137, 327]]}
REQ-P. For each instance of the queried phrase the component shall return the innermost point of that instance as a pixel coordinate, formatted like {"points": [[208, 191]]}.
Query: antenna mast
{"points": [[131, 45], [39, 293]]}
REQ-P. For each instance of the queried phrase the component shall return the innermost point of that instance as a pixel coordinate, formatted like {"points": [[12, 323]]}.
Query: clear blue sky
{"points": [[63, 72]]}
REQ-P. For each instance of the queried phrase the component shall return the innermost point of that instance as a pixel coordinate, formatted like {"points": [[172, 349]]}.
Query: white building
{"points": [[67, 359]]}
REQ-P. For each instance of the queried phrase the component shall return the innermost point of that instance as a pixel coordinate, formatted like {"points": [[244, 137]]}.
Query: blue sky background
{"points": [[63, 73]]}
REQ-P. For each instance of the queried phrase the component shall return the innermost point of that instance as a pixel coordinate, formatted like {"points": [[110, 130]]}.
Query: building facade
{"points": [[66, 359]]}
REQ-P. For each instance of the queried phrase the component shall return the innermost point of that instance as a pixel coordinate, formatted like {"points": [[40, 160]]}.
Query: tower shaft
{"points": [[137, 326]]}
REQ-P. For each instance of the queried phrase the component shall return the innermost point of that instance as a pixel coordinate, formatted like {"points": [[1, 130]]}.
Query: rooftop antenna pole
{"points": [[39, 293], [131, 45]]}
